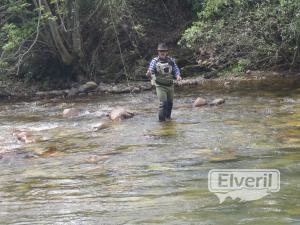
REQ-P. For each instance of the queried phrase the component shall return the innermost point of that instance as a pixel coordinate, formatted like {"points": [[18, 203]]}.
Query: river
{"points": [[140, 171]]}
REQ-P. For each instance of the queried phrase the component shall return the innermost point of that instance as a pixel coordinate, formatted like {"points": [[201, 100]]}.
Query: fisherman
{"points": [[162, 71]]}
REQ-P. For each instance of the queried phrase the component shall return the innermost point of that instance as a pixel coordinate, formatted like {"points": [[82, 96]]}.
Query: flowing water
{"points": [[140, 171]]}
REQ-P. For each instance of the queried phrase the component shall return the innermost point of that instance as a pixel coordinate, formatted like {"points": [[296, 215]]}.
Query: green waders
{"points": [[165, 95]]}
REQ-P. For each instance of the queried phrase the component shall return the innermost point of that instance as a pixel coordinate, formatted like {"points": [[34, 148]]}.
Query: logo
{"points": [[243, 184]]}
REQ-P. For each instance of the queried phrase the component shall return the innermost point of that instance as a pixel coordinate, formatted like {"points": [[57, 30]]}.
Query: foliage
{"points": [[83, 39], [17, 27], [265, 33], [70, 34], [78, 40]]}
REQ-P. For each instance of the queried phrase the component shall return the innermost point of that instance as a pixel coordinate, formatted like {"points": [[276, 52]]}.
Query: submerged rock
{"points": [[51, 152], [118, 114], [71, 112], [24, 136], [12, 156], [199, 102], [93, 159], [218, 101], [100, 126]]}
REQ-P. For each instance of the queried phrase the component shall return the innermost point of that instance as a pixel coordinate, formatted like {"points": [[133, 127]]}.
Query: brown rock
{"points": [[118, 114], [199, 102], [72, 112], [52, 152], [24, 136]]}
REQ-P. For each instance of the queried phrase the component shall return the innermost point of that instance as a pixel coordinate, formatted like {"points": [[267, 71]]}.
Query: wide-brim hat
{"points": [[162, 47]]}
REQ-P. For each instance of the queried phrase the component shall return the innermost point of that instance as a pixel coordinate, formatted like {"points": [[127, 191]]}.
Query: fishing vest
{"points": [[164, 68]]}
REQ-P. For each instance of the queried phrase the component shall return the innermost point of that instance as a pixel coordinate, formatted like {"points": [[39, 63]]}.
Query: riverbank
{"points": [[18, 90]]}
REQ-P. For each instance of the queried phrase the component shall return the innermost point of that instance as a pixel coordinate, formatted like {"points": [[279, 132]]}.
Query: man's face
{"points": [[162, 54]]}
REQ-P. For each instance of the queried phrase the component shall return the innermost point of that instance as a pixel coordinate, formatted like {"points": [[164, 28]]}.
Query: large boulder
{"points": [[88, 86], [218, 101], [118, 114], [71, 112], [199, 102]]}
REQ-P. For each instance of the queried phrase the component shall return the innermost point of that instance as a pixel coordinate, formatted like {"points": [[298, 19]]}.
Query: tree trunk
{"points": [[76, 34], [65, 55]]}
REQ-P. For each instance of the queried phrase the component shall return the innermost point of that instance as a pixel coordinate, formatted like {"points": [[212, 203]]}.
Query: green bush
{"points": [[265, 33]]}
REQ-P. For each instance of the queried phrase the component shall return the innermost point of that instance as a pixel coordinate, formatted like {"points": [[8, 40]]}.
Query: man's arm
{"points": [[151, 68], [176, 70]]}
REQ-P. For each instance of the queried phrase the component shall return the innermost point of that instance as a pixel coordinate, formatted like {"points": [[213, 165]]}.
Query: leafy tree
{"points": [[54, 29], [264, 33]]}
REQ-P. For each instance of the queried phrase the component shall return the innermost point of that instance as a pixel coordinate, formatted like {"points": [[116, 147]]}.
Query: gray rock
{"points": [[100, 126], [136, 90], [101, 88], [126, 90], [218, 101], [199, 102], [88, 86], [72, 92]]}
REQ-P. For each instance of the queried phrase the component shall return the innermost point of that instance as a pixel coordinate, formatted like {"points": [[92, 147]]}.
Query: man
{"points": [[162, 70]]}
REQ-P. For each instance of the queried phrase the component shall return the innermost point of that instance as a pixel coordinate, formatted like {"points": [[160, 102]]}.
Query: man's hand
{"points": [[178, 78], [148, 74]]}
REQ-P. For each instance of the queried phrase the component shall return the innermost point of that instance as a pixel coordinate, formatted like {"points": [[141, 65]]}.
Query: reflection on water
{"points": [[141, 171]]}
